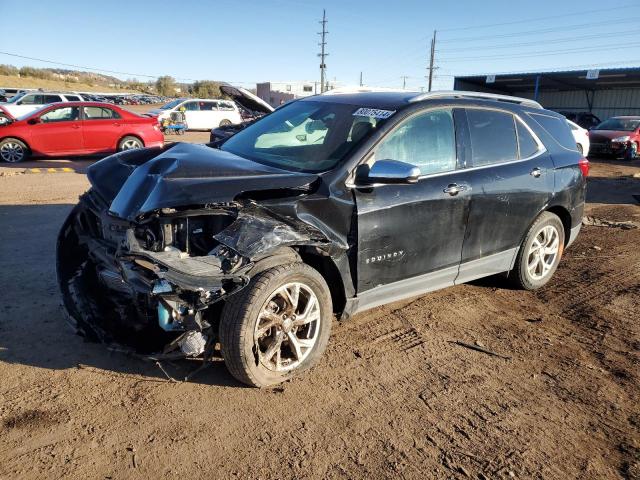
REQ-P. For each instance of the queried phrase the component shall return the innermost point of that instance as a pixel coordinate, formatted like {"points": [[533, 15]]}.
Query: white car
{"points": [[582, 137], [29, 101], [201, 113]]}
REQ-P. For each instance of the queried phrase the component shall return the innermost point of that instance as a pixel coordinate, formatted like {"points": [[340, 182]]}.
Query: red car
{"points": [[618, 136], [76, 128]]}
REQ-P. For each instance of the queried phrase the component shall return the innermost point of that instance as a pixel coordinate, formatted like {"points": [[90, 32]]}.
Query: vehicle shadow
{"points": [[33, 329], [613, 190]]}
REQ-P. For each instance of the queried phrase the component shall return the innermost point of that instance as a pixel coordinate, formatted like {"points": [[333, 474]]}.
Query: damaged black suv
{"points": [[331, 205]]}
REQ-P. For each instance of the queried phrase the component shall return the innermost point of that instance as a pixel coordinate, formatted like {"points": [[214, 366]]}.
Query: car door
{"points": [[511, 179], [57, 131], [101, 129], [410, 236], [193, 115]]}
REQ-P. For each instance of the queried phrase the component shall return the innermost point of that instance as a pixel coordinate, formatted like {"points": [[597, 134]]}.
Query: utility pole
{"points": [[404, 81], [322, 54], [361, 79], [432, 59]]}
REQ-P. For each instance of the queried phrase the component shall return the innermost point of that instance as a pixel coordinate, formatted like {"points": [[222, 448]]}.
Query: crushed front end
{"points": [[143, 284]]}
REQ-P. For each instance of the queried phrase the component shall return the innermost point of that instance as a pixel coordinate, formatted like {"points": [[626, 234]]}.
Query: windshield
{"points": [[170, 105], [306, 136], [16, 97], [621, 124]]}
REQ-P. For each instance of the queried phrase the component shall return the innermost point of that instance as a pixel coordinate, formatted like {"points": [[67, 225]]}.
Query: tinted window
{"points": [[621, 124], [97, 113], [51, 98], [208, 106], [63, 114], [493, 136], [72, 98], [191, 106], [526, 142], [557, 128], [426, 141]]}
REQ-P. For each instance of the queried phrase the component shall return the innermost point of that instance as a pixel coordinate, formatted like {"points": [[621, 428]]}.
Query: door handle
{"points": [[453, 189], [116, 124], [536, 172]]}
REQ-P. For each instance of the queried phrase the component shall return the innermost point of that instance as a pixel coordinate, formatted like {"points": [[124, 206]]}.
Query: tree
{"points": [[166, 86], [206, 89]]}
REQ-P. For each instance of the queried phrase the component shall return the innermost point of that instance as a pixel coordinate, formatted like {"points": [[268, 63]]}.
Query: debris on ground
{"points": [[597, 222], [478, 348]]}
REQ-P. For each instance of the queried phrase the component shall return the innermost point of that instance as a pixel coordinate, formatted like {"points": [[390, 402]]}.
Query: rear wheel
{"points": [[277, 326], [13, 150], [130, 142], [539, 253]]}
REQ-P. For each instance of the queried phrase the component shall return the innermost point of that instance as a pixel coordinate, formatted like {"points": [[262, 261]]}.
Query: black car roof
{"points": [[395, 100]]}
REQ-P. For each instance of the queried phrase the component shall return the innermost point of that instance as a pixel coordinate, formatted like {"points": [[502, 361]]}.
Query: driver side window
{"points": [[64, 114], [426, 140]]}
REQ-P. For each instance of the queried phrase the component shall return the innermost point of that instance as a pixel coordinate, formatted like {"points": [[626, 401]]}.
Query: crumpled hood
{"points": [[604, 135], [139, 181]]}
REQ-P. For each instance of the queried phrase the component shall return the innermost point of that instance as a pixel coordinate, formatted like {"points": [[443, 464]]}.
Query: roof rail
{"points": [[347, 90], [481, 95]]}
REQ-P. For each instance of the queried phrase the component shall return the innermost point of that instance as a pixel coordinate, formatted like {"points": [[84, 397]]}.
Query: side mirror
{"points": [[34, 120], [387, 172]]}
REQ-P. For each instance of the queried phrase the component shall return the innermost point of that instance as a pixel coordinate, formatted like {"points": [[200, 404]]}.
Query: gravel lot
{"points": [[394, 395]]}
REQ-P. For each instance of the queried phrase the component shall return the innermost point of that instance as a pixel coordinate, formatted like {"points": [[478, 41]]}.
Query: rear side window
{"points": [[52, 98], [493, 136], [526, 143], [557, 128], [72, 98], [426, 141], [98, 113], [208, 106]]}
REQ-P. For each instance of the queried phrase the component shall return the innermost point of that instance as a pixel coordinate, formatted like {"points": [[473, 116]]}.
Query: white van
{"points": [[201, 113]]}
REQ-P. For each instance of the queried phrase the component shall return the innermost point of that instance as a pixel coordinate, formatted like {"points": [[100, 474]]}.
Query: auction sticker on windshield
{"points": [[373, 112]]}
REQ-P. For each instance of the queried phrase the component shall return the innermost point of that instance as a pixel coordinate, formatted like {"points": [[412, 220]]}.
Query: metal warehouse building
{"points": [[604, 92]]}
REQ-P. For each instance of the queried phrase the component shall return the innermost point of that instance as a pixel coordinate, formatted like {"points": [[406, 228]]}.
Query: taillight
{"points": [[583, 163]]}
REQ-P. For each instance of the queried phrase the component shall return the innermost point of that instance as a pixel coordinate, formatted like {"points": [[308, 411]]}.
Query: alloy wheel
{"points": [[287, 327], [12, 152], [543, 252], [131, 143]]}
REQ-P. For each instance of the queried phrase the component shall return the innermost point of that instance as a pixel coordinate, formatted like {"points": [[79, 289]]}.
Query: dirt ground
{"points": [[394, 396]]}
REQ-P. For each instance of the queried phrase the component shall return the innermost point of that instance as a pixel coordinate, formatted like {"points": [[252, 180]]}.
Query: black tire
{"points": [[224, 123], [124, 143], [520, 276], [13, 150], [240, 317]]}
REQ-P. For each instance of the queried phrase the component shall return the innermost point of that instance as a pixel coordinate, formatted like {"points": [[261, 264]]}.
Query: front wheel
{"points": [[129, 143], [224, 123], [277, 326], [13, 150], [539, 253]]}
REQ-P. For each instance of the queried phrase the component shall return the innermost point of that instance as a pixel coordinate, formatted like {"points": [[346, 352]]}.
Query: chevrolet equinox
{"points": [[330, 205]]}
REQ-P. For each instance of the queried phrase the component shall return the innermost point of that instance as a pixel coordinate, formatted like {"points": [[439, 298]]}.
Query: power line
{"points": [[94, 69], [542, 53], [526, 44], [543, 30], [529, 20]]}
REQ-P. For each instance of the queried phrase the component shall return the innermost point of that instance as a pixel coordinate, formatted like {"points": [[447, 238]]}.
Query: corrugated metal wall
{"points": [[606, 103]]}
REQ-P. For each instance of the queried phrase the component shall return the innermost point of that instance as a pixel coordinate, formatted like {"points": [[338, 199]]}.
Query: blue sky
{"points": [[248, 41]]}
